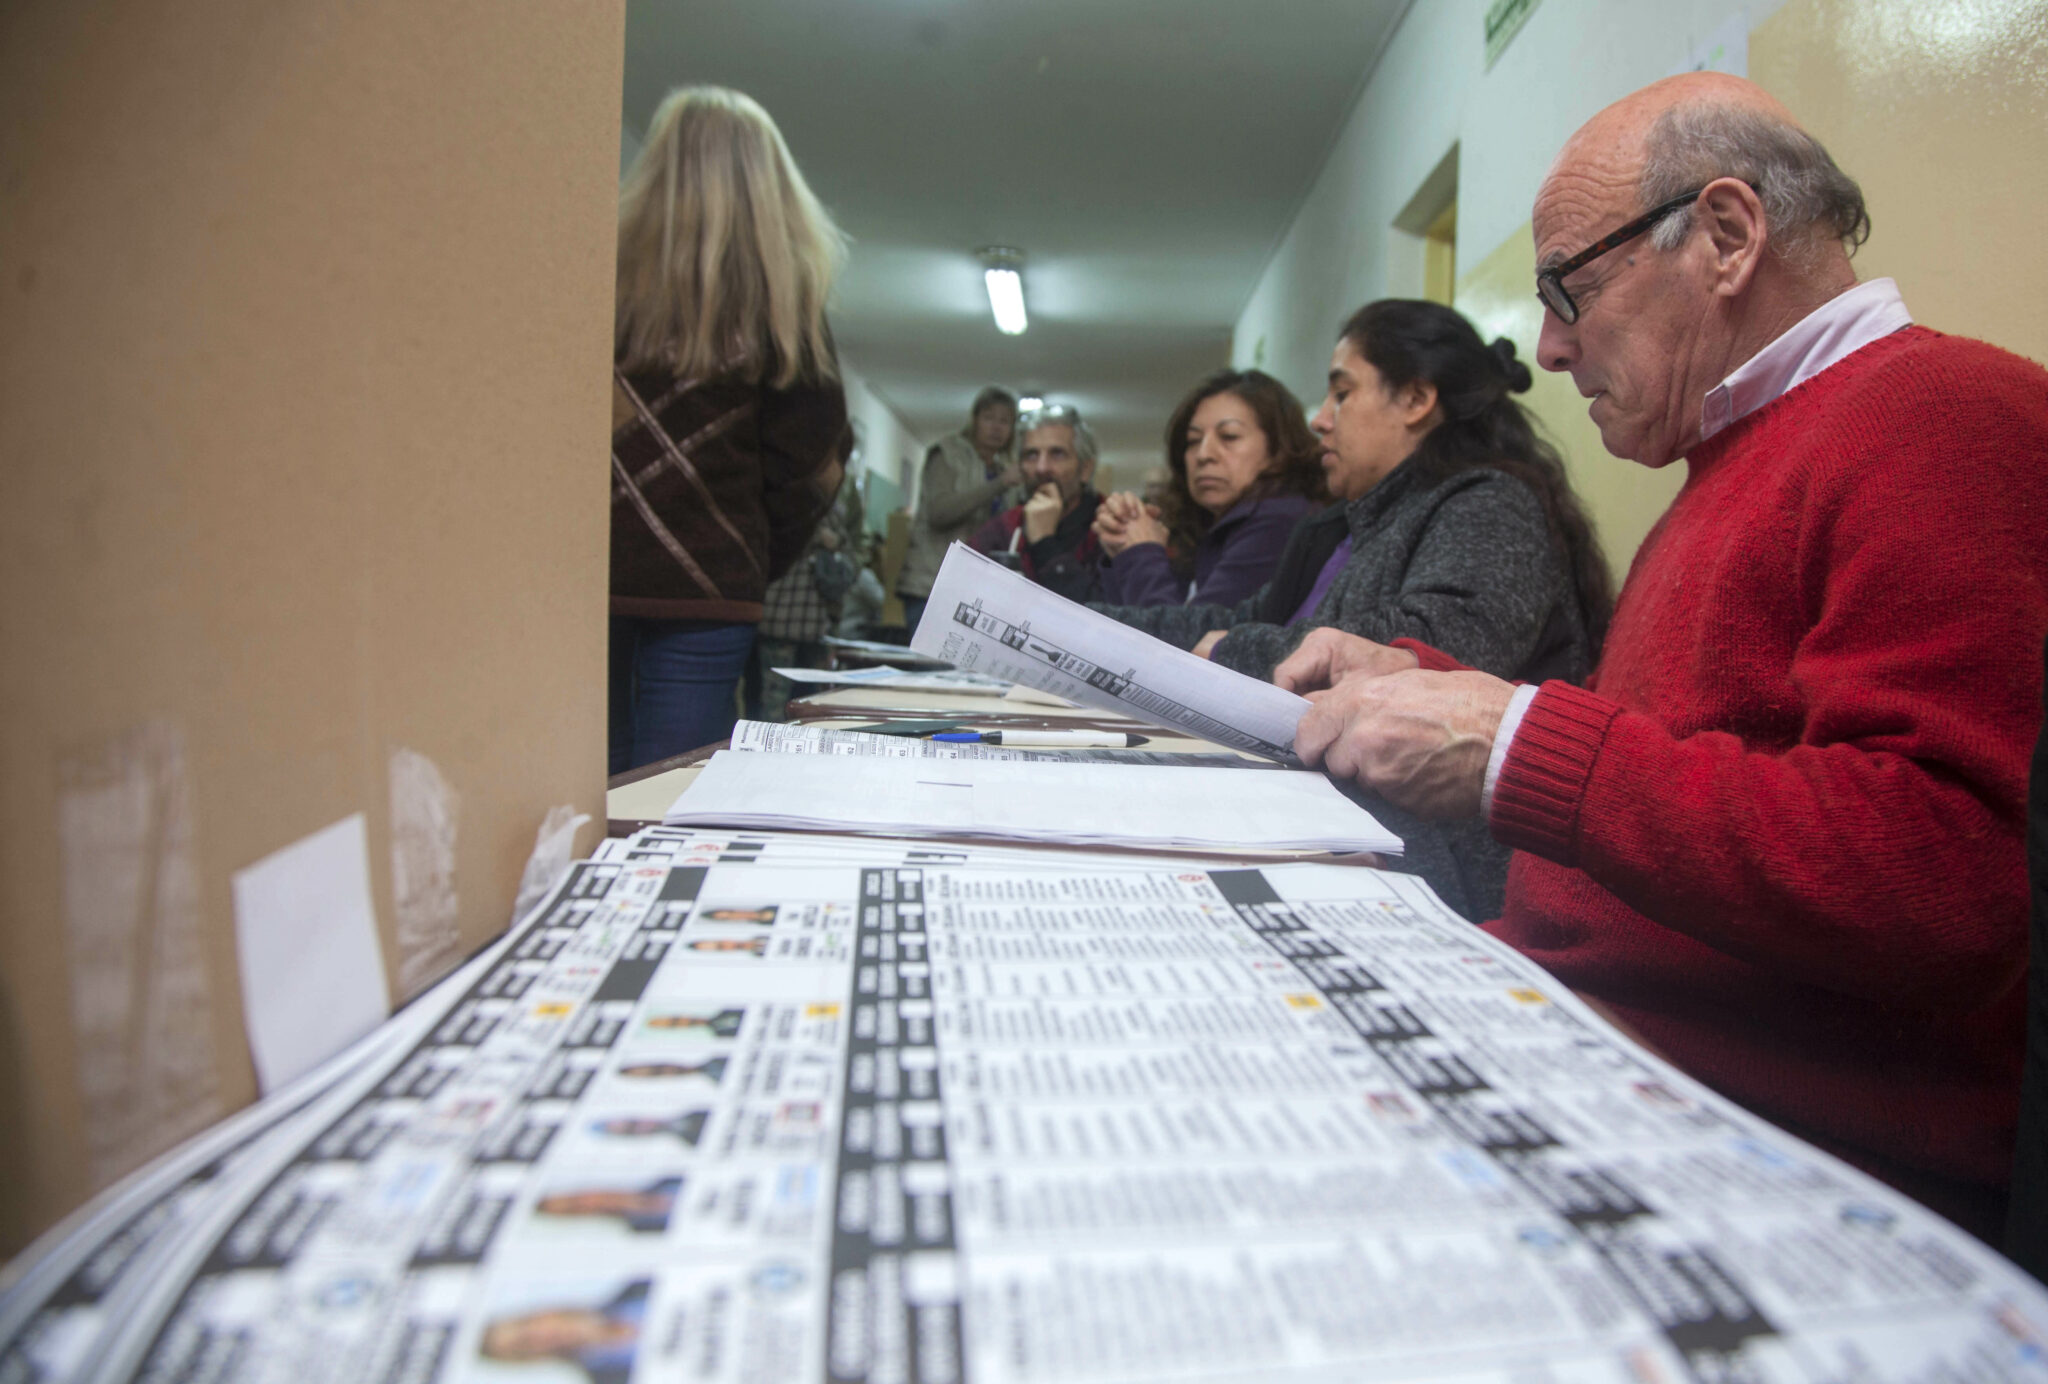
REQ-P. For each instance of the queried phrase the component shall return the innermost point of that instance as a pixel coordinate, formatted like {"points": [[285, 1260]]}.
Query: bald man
{"points": [[1779, 830]]}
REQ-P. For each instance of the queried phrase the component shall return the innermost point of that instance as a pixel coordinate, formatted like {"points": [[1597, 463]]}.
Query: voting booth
{"points": [[307, 316]]}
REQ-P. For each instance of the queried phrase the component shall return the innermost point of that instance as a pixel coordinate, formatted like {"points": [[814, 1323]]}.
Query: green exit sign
{"points": [[1504, 19]]}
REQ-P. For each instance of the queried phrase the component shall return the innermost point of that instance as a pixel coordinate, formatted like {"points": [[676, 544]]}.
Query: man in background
{"points": [[968, 478], [1051, 534]]}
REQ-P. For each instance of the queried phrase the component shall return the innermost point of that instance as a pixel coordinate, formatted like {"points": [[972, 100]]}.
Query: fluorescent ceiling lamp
{"points": [[1029, 402], [1006, 300], [1005, 288]]}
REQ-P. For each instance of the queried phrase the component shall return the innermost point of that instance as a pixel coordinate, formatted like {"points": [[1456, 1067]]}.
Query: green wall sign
{"points": [[1504, 19]]}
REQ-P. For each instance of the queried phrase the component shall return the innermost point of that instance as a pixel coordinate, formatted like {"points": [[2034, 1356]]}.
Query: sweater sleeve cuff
{"points": [[1503, 737], [1433, 660], [1544, 772]]}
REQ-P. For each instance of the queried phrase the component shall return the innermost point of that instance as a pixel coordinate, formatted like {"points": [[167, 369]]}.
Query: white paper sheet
{"points": [[984, 618], [886, 676], [1083, 803], [789, 737], [312, 969]]}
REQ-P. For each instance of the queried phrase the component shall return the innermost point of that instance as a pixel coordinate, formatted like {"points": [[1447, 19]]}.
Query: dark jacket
{"points": [[1234, 558], [716, 487], [1066, 561], [1466, 564]]}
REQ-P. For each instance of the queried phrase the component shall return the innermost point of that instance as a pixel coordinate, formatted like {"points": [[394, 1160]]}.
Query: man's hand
{"points": [[1206, 645], [1042, 512], [1329, 656], [1419, 739]]}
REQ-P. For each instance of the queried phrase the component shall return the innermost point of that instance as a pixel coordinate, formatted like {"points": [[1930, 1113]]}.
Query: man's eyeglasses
{"points": [[1550, 282]]}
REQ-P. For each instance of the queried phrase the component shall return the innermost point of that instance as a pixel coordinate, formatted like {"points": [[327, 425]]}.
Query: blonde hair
{"points": [[725, 256]]}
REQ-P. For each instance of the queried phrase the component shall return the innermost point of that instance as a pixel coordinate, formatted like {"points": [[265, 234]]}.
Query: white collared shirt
{"points": [[1844, 324]]}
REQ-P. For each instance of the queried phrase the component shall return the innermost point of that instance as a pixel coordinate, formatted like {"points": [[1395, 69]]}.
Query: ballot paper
{"points": [[984, 618], [1074, 803], [846, 1118], [888, 653], [786, 737], [886, 676], [62, 1299]]}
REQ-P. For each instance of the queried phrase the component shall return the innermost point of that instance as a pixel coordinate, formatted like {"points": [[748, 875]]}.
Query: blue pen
{"points": [[960, 737], [1047, 739]]}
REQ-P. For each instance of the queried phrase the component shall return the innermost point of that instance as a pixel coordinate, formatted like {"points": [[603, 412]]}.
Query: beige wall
{"points": [[1941, 112], [303, 332]]}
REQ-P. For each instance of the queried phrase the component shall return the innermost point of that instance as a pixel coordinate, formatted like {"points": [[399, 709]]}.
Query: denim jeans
{"points": [[672, 684], [913, 611]]}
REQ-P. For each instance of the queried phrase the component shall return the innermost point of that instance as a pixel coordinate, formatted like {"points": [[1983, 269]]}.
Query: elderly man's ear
{"points": [[1735, 227]]}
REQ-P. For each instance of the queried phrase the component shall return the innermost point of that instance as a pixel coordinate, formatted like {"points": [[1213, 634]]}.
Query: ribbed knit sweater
{"points": [[1779, 831]]}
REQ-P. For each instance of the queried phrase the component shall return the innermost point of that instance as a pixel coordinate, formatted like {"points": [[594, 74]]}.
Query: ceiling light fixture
{"points": [[1005, 287], [1030, 403]]}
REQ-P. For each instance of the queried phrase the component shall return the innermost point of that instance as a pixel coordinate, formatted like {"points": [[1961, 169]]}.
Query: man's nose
{"points": [[1557, 344], [1325, 419]]}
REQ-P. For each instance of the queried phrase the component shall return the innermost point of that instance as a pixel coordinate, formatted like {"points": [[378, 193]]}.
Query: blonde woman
{"points": [[728, 420]]}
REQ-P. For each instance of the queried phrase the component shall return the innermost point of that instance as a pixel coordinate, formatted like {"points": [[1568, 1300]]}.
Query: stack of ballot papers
{"points": [[739, 1106], [1088, 804]]}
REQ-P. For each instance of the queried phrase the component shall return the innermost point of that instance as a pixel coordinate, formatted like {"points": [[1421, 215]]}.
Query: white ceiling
{"points": [[1144, 154]]}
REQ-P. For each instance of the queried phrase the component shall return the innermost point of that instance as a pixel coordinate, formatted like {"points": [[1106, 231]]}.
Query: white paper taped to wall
{"points": [[553, 845], [306, 936], [424, 811], [141, 1003]]}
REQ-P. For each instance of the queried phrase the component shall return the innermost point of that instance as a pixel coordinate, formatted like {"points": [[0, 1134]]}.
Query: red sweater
{"points": [[1781, 830]]}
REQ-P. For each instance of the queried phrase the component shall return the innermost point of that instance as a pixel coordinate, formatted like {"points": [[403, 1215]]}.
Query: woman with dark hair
{"points": [[1456, 527], [1245, 469]]}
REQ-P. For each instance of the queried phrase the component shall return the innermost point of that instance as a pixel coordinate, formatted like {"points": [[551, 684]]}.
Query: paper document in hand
{"points": [[983, 618], [1085, 803]]}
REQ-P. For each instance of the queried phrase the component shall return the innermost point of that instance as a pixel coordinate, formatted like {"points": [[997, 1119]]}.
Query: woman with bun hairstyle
{"points": [[1455, 526], [1245, 470]]}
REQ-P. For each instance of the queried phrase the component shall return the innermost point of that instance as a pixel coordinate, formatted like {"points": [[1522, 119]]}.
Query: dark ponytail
{"points": [[1409, 341]]}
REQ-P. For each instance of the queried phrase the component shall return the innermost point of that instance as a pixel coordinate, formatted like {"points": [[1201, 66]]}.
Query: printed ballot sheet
{"points": [[822, 1110], [984, 618], [790, 737], [1070, 802]]}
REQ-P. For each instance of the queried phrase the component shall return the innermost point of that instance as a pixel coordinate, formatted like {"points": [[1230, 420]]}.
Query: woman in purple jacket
{"points": [[1246, 469]]}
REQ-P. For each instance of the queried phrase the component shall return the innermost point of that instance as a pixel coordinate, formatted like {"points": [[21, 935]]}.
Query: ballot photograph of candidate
{"points": [[601, 1341], [687, 1126], [711, 1069], [643, 1210], [724, 1023], [753, 946], [763, 915]]}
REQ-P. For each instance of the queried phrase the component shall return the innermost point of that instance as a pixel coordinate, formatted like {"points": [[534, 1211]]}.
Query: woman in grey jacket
{"points": [[1455, 525], [969, 476]]}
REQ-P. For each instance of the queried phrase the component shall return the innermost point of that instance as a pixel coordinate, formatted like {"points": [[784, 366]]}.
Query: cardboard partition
{"points": [[304, 334]]}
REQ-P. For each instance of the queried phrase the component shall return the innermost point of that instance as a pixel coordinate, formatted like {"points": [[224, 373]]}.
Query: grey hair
{"points": [[1055, 415], [1807, 199]]}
